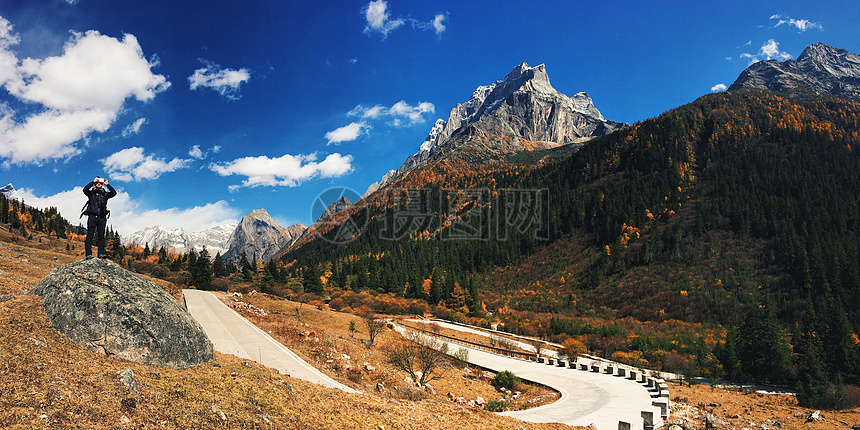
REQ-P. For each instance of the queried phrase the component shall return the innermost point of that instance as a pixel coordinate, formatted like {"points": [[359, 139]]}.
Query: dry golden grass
{"points": [[291, 323], [48, 382], [740, 409]]}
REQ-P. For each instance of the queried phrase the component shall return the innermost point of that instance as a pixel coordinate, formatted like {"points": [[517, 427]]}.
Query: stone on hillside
{"points": [[126, 376], [105, 308]]}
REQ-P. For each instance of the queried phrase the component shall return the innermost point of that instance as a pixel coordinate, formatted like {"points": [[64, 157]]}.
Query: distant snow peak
{"points": [[820, 69], [10, 193], [214, 239]]}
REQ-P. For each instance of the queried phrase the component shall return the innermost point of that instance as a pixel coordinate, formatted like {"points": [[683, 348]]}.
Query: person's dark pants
{"points": [[95, 225]]}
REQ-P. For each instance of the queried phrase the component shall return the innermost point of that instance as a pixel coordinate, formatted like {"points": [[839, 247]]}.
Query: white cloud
{"points": [[200, 154], [768, 51], [377, 18], [800, 24], [379, 21], [396, 113], [288, 170], [717, 88], [69, 96], [224, 81], [415, 114], [438, 23], [134, 127], [347, 133], [129, 216], [401, 114], [196, 152], [131, 164]]}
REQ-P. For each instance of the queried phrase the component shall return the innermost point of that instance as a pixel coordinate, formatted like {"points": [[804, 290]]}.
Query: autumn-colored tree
{"points": [[571, 349]]}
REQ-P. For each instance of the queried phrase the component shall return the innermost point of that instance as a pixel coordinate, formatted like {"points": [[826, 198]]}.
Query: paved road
{"points": [[586, 397], [230, 333]]}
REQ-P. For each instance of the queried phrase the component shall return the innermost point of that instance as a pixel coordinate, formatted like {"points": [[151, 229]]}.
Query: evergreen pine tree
{"points": [[763, 352], [312, 282], [218, 268], [203, 271], [811, 374], [243, 262]]}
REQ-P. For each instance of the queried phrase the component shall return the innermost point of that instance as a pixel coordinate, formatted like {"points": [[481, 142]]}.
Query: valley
{"points": [[719, 241], [49, 381]]}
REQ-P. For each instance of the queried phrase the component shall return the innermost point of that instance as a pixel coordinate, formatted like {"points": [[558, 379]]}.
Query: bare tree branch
{"points": [[374, 325], [423, 357]]}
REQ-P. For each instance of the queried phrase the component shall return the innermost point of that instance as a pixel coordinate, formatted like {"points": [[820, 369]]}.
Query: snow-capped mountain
{"points": [[820, 69], [10, 193], [215, 239]]}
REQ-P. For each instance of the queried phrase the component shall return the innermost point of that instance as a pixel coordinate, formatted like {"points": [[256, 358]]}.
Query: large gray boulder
{"points": [[105, 308]]}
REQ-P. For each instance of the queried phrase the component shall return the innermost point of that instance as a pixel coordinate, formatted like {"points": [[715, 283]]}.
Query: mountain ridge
{"points": [[819, 69], [490, 112], [214, 239], [737, 210]]}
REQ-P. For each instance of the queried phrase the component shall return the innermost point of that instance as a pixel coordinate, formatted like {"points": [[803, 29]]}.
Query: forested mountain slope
{"points": [[734, 203]]}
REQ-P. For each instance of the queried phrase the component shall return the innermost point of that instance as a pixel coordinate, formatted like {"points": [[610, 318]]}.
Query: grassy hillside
{"points": [[736, 210], [48, 382]]}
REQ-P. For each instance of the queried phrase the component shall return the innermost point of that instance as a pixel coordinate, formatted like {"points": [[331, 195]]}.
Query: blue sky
{"points": [[200, 111]]}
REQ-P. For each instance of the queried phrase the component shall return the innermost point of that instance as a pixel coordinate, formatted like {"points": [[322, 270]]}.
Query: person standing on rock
{"points": [[97, 214]]}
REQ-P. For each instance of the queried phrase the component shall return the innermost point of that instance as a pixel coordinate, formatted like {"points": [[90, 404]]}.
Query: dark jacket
{"points": [[98, 197]]}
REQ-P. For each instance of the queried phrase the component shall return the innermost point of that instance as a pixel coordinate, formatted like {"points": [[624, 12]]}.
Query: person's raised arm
{"points": [[88, 188], [111, 191]]}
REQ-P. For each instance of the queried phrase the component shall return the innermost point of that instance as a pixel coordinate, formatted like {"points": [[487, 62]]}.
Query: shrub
{"points": [[219, 284], [505, 379], [497, 405], [852, 396], [462, 354]]}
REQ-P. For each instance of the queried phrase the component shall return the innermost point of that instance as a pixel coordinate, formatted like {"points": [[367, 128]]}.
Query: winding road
{"points": [[586, 397], [231, 333]]}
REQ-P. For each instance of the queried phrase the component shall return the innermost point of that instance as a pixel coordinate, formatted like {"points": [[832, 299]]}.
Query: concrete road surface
{"points": [[230, 333], [586, 397]]}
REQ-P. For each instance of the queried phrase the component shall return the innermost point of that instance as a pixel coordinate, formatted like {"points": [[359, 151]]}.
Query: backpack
{"points": [[101, 203]]}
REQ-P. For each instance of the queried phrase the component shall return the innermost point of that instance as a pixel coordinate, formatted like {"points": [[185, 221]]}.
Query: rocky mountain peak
{"points": [[259, 234], [524, 78], [825, 59], [336, 206], [820, 69], [520, 111]]}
